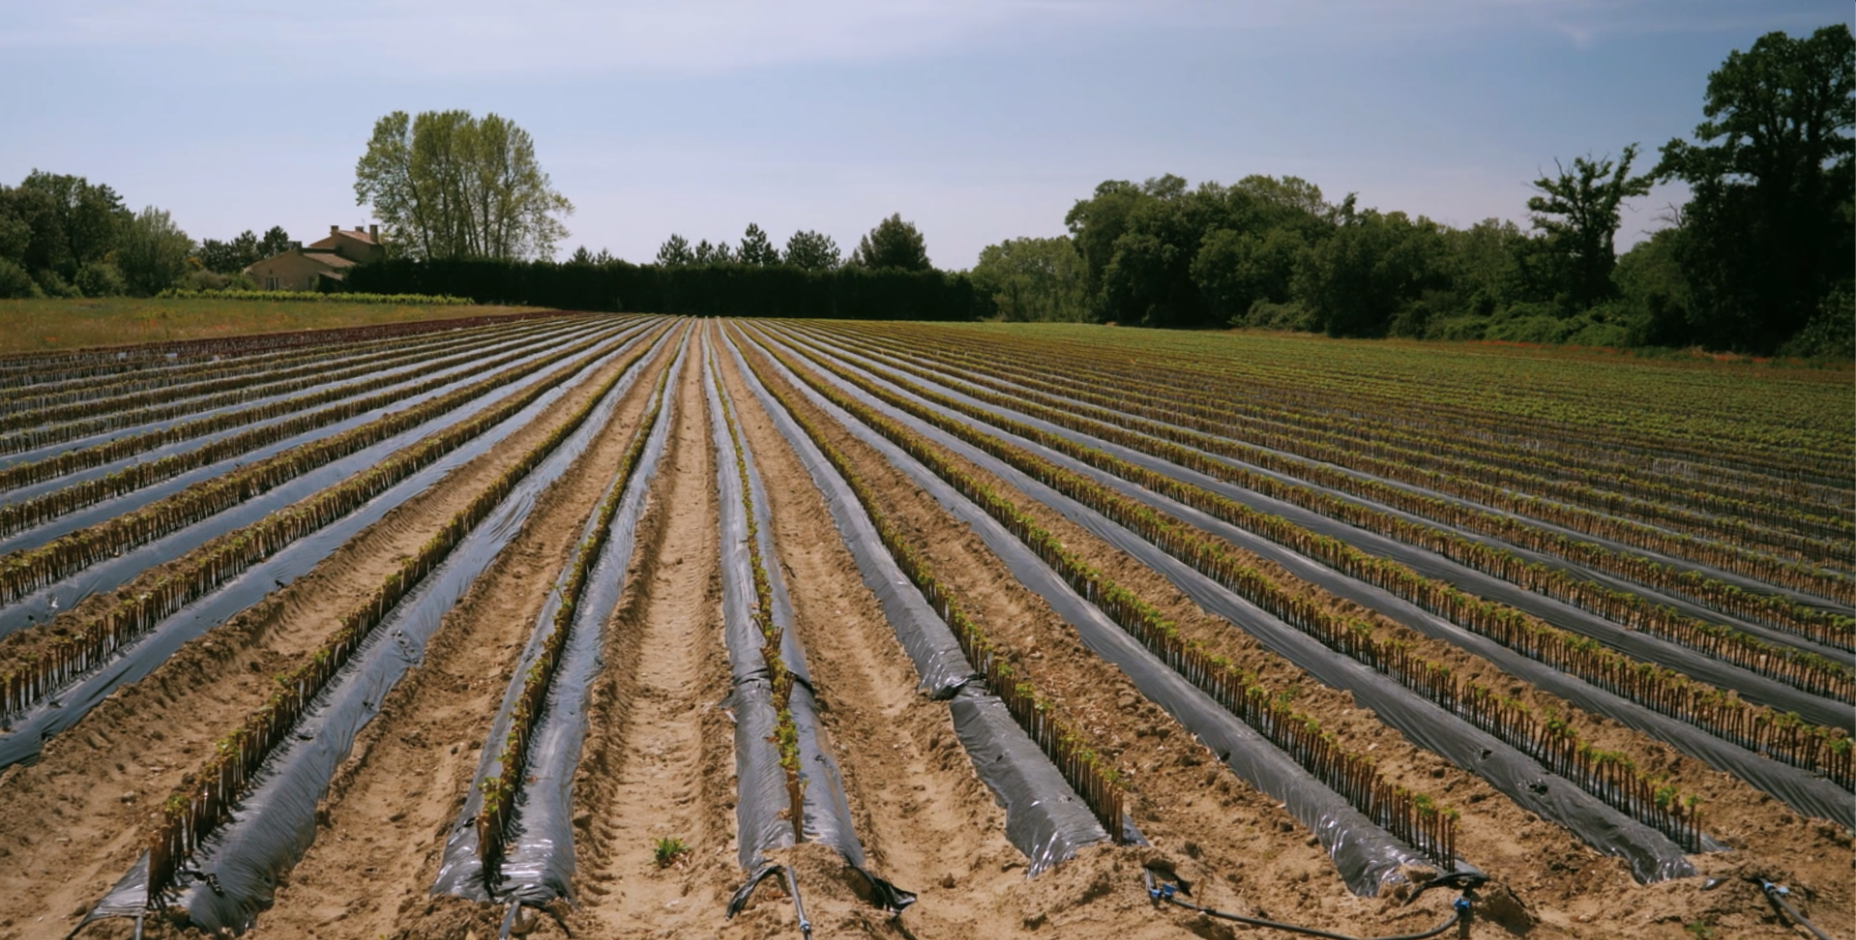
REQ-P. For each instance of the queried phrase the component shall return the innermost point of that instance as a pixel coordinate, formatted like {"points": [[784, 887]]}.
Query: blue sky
{"points": [[977, 119]]}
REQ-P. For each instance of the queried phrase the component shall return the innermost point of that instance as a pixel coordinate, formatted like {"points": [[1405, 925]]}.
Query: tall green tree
{"points": [[55, 223], [893, 244], [1769, 229], [675, 252], [152, 252], [1370, 275], [230, 257], [1237, 270], [1579, 212], [812, 251], [448, 185], [1033, 279], [757, 248]]}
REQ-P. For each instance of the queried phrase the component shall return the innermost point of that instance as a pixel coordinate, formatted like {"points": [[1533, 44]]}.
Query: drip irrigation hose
{"points": [[1777, 893], [1169, 892], [799, 909]]}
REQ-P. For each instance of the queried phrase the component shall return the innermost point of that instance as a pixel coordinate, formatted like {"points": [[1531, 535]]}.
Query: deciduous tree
{"points": [[1578, 210], [1769, 230], [812, 251], [893, 244], [448, 185]]}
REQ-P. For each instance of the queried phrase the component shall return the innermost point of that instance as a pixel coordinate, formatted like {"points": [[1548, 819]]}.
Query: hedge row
{"points": [[700, 290]]}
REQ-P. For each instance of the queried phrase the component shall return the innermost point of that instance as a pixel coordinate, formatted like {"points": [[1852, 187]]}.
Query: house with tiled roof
{"points": [[308, 267]]}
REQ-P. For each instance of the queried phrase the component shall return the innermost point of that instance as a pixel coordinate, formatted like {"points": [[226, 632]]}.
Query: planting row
{"points": [[25, 570], [1782, 736], [1653, 572], [1466, 469], [209, 797], [81, 646], [1801, 668], [92, 418], [1411, 817]]}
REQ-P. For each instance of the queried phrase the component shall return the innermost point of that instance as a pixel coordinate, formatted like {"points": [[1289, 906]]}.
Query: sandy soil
{"points": [[659, 763], [97, 783]]}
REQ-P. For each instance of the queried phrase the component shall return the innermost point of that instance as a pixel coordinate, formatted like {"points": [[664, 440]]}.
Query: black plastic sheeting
{"points": [[275, 822], [464, 377], [1368, 858], [1044, 818], [109, 574], [538, 858], [402, 364], [22, 738], [1635, 643], [825, 816], [1652, 856], [1688, 606], [1682, 603], [1804, 791], [40, 534]]}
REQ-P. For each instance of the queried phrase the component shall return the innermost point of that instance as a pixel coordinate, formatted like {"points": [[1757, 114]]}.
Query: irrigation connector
{"points": [[740, 899], [1777, 893], [1167, 889]]}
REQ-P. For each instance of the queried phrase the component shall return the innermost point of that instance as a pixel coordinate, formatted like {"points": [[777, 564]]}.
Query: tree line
{"points": [[1761, 259], [64, 236]]}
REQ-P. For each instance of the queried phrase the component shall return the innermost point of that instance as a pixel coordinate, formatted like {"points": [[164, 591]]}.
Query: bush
{"points": [[1831, 334], [288, 296], [1273, 316], [15, 282], [202, 279], [55, 286], [100, 279], [1457, 328]]}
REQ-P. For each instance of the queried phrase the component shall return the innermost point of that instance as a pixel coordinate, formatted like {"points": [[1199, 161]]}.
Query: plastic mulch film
{"points": [[538, 858], [1044, 818], [1749, 685], [1651, 855], [1803, 790], [235, 872], [825, 814], [1367, 857], [23, 736]]}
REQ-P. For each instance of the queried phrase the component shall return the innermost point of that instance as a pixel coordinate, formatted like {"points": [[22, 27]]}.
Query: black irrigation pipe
{"points": [[1651, 855], [1367, 857], [1749, 685], [1687, 605], [104, 572], [752, 582], [23, 735], [536, 864], [1777, 894], [233, 870], [1045, 818], [1804, 791], [1168, 892]]}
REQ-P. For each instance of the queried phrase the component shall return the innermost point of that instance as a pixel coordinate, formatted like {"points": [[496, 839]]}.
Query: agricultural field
{"points": [[588, 625]]}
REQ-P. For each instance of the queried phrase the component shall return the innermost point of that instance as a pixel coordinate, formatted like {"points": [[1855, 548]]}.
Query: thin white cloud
{"points": [[471, 37]]}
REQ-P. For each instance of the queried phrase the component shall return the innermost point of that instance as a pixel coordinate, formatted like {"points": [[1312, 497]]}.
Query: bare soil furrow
{"points": [[97, 782]]}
